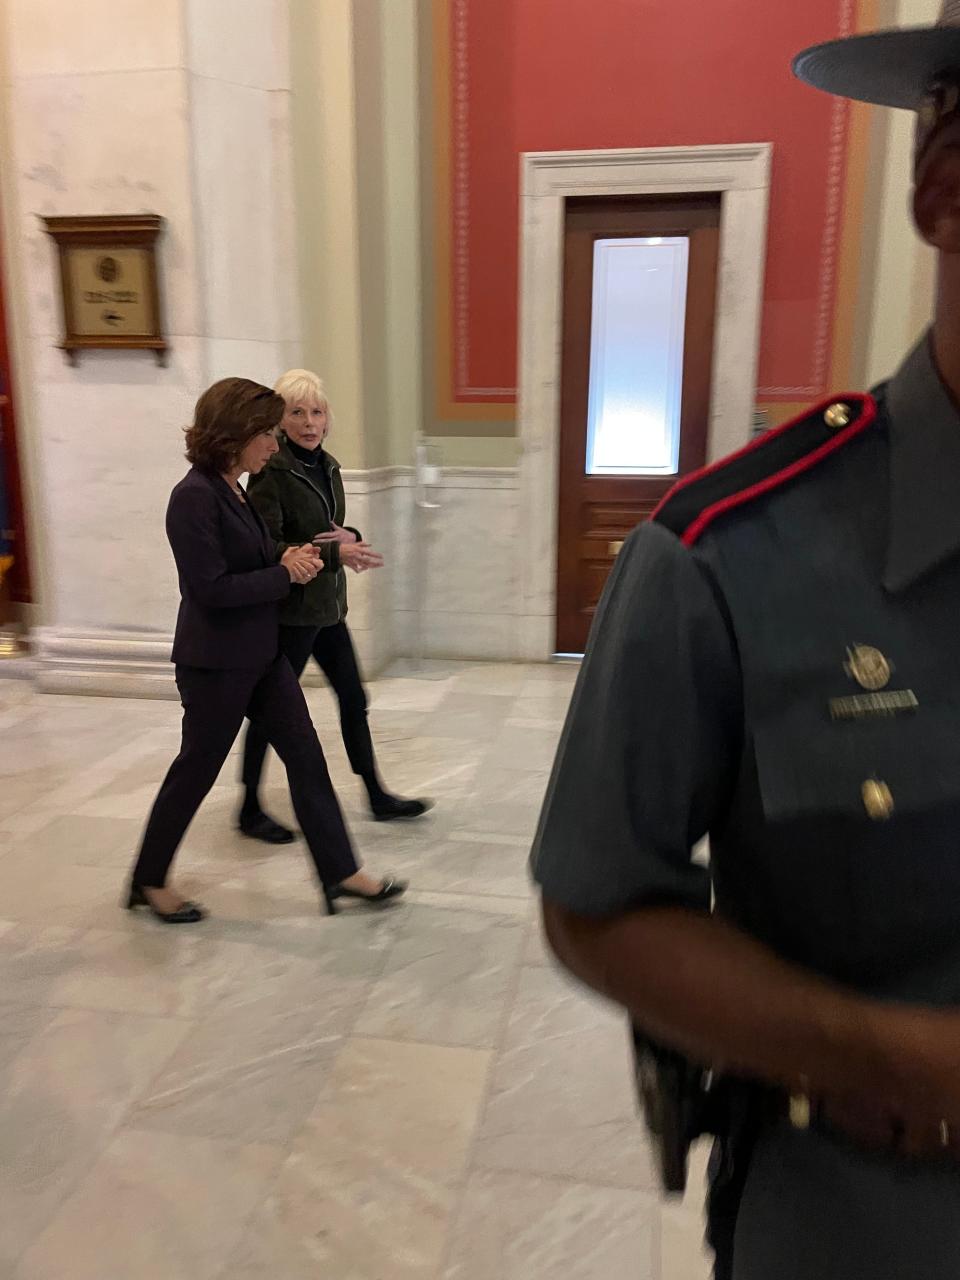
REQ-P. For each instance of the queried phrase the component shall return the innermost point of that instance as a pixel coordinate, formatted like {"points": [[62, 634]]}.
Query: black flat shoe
{"points": [[186, 913], [264, 828], [394, 807], [391, 888]]}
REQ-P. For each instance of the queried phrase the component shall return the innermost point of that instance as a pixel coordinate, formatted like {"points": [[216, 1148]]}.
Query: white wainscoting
{"points": [[470, 551], [462, 560]]}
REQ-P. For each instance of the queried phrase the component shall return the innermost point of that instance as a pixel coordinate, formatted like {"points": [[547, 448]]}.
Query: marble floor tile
{"points": [[88, 841], [446, 980], [392, 724], [550, 702], [537, 952], [35, 958], [154, 1207], [400, 1107], [522, 748], [485, 903], [683, 1252], [18, 1025], [45, 888], [512, 1227], [66, 1092], [369, 1188], [433, 766], [411, 1094], [466, 867], [364, 1225], [405, 692], [505, 678], [504, 801], [28, 785], [150, 970], [563, 1100], [264, 1050], [472, 716]]}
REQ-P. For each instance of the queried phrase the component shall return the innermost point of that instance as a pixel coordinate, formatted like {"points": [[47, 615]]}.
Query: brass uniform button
{"points": [[837, 416], [878, 800]]}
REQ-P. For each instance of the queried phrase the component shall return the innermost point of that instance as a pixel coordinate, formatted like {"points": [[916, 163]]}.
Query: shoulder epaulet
{"points": [[767, 463]]}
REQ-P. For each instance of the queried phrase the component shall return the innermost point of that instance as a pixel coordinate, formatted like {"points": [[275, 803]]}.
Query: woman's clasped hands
{"points": [[302, 563]]}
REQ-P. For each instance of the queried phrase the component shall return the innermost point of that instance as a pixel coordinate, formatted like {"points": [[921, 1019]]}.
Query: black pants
{"points": [[333, 652], [214, 705]]}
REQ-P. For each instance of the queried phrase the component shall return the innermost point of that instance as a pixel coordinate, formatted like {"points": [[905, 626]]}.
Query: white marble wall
{"points": [[237, 57], [471, 568], [177, 107], [458, 562], [379, 504]]}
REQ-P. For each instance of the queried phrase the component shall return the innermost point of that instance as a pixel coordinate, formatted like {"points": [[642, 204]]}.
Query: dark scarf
{"points": [[312, 459]]}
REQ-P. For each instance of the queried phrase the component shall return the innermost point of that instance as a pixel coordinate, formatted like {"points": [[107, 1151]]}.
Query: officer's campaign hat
{"points": [[892, 68], [917, 68]]}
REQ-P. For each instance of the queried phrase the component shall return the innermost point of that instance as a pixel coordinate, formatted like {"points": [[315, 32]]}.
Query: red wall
{"points": [[545, 75]]}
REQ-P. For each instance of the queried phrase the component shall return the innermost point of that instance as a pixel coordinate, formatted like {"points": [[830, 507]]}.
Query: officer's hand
{"points": [[912, 1105], [890, 1130]]}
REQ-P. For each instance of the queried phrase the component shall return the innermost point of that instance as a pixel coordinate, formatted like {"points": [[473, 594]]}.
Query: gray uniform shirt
{"points": [[715, 700]]}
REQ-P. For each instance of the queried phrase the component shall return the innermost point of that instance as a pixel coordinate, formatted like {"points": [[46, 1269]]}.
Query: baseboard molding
{"points": [[128, 664], [106, 664]]}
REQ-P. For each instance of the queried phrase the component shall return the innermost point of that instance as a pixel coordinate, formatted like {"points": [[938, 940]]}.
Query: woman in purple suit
{"points": [[228, 664]]}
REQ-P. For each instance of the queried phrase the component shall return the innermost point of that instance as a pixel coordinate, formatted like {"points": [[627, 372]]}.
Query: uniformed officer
{"points": [[776, 663]]}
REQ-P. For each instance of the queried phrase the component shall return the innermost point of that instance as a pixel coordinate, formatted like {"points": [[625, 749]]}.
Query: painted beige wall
{"points": [[402, 158], [357, 155], [325, 178]]}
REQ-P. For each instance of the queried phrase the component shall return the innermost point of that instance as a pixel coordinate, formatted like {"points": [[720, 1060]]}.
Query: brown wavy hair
{"points": [[227, 417]]}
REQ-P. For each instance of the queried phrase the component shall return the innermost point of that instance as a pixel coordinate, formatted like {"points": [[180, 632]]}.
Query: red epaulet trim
{"points": [[742, 468]]}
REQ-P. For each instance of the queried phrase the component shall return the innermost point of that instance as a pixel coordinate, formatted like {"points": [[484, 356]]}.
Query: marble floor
{"points": [[411, 1095]]}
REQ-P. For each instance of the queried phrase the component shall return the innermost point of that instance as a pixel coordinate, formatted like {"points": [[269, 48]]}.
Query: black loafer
{"points": [[391, 888], [186, 913], [394, 808], [264, 828]]}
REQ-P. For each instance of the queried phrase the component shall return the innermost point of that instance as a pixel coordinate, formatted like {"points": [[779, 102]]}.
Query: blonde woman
{"points": [[299, 495]]}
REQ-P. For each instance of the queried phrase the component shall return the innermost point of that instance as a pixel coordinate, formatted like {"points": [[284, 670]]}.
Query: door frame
{"points": [[741, 174]]}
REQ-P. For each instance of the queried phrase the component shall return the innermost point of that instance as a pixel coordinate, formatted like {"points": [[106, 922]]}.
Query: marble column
{"points": [[176, 107]]}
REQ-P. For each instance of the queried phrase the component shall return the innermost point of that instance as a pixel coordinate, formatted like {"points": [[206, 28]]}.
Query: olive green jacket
{"points": [[295, 509]]}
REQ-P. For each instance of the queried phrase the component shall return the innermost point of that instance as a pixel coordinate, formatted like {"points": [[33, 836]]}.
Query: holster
{"points": [[682, 1102]]}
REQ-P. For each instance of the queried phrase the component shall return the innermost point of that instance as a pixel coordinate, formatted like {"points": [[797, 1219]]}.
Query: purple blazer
{"points": [[230, 582]]}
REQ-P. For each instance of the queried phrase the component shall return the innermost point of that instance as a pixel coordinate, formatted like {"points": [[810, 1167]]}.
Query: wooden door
{"points": [[597, 511]]}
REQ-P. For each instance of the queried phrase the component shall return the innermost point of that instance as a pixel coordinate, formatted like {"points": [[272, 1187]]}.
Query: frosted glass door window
{"points": [[636, 356]]}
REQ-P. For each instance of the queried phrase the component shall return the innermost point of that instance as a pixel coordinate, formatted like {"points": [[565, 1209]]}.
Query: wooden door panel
{"points": [[596, 512]]}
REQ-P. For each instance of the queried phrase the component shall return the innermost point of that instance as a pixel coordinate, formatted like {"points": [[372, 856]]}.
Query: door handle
{"points": [[614, 548]]}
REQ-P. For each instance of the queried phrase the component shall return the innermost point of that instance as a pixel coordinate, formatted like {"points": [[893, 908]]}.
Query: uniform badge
{"points": [[872, 671], [868, 667]]}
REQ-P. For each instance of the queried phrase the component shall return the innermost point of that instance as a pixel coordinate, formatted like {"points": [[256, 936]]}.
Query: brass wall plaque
{"points": [[108, 277]]}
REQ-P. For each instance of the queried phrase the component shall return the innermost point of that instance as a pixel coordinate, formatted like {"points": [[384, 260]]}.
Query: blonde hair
{"points": [[300, 386]]}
